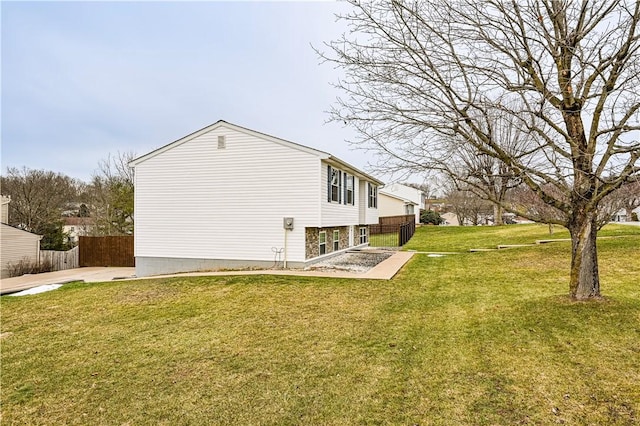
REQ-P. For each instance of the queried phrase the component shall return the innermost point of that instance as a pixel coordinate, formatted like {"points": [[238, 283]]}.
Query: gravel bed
{"points": [[360, 261]]}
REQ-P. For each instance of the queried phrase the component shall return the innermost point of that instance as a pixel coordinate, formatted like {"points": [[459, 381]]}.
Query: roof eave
{"points": [[354, 170]]}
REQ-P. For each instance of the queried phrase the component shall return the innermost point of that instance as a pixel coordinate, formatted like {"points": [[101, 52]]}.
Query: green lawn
{"points": [[468, 339], [384, 240], [464, 238]]}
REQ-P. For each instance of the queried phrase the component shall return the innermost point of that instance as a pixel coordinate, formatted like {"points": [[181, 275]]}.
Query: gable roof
{"points": [[78, 221], [22, 231], [397, 197], [221, 123]]}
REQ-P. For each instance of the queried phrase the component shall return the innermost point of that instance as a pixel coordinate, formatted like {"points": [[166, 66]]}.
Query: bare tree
{"points": [[468, 206], [627, 198], [420, 75], [111, 192], [485, 176], [37, 200]]}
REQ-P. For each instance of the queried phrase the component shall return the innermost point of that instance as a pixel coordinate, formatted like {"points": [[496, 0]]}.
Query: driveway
{"points": [[90, 275]]}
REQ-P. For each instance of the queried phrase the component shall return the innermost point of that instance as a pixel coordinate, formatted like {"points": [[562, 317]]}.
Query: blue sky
{"points": [[81, 80]]}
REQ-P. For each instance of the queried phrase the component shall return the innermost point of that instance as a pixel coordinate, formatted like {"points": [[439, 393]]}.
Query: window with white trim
{"points": [[336, 240], [322, 242], [364, 236], [334, 178], [349, 190], [373, 196]]}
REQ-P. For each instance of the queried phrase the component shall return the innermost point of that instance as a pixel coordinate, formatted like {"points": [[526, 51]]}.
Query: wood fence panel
{"points": [[383, 229], [60, 260], [396, 220], [106, 251]]}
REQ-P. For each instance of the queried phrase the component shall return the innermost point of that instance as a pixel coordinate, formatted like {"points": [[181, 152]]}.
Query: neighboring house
{"points": [[16, 245], [4, 209], [240, 198], [397, 199], [450, 219], [75, 227], [621, 215]]}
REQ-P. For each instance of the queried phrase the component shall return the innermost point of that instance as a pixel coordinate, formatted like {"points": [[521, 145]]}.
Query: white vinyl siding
{"points": [[367, 216], [390, 206], [402, 192], [16, 246], [201, 202]]}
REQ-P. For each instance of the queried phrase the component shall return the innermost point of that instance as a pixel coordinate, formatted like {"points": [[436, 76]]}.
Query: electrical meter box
{"points": [[287, 223]]}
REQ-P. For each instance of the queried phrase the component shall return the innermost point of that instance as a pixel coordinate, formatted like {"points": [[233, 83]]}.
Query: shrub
{"points": [[431, 217], [27, 266]]}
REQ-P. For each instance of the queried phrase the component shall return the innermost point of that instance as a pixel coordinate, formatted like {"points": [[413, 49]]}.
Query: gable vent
{"points": [[222, 144]]}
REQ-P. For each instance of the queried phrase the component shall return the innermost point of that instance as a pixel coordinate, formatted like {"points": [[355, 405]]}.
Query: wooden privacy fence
{"points": [[396, 220], [60, 260], [106, 251]]}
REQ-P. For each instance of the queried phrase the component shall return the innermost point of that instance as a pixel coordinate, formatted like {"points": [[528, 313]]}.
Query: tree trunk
{"points": [[585, 281], [629, 214], [497, 214]]}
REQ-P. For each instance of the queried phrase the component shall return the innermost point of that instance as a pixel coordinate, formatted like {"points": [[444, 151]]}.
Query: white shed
{"points": [[17, 245], [230, 197]]}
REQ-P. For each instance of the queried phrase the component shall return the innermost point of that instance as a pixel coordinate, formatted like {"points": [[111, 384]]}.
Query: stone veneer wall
{"points": [[312, 237]]}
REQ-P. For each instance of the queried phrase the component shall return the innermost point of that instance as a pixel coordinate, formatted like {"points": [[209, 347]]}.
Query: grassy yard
{"points": [[384, 240], [463, 238], [468, 339]]}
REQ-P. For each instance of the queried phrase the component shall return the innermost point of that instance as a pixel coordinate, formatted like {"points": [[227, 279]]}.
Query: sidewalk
{"points": [[385, 270]]}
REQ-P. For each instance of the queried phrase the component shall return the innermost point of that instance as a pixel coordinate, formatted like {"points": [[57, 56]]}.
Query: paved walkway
{"points": [[89, 275], [385, 270]]}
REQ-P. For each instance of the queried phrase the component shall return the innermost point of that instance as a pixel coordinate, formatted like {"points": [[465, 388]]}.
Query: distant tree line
{"points": [[40, 199], [471, 206]]}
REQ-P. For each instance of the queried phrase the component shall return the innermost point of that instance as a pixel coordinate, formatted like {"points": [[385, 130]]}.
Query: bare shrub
{"points": [[28, 266]]}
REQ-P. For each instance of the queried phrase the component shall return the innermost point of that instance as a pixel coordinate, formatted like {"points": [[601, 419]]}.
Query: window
{"points": [[363, 235], [373, 196], [349, 197], [340, 187], [336, 240], [334, 184], [221, 142], [408, 209], [322, 241]]}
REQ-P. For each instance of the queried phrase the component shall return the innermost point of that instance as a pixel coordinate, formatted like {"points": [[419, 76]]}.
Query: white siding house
{"points": [[397, 199], [16, 245], [76, 227], [231, 189], [4, 209]]}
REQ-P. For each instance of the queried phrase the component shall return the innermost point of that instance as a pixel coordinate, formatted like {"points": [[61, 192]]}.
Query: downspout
{"points": [[287, 224], [285, 248]]}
